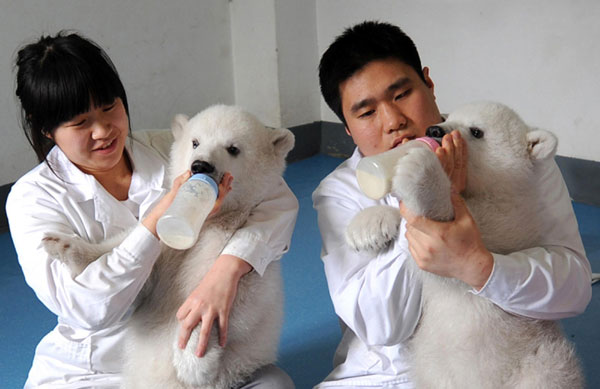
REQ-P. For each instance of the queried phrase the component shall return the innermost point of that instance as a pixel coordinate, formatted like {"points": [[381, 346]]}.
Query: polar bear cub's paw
{"points": [[422, 184], [70, 250], [372, 229]]}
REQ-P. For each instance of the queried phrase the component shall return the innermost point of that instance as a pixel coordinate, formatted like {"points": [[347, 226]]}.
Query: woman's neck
{"points": [[118, 180]]}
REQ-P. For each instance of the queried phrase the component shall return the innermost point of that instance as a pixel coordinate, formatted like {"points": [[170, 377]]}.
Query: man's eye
{"points": [[195, 143], [401, 95], [106, 109], [232, 150], [366, 114]]}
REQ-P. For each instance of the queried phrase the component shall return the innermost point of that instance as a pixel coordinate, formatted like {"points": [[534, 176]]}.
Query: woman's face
{"points": [[94, 140]]}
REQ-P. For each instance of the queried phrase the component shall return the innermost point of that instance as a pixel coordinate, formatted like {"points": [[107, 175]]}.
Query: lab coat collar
{"points": [[146, 186]]}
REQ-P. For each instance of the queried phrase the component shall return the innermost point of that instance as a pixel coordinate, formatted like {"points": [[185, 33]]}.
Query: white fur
{"points": [[152, 358], [462, 340]]}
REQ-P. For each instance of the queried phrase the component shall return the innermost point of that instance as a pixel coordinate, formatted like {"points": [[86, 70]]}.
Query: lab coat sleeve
{"points": [[552, 281], [267, 233], [378, 297], [104, 292]]}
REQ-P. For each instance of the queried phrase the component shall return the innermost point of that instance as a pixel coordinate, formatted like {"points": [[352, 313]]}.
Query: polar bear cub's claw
{"points": [[373, 228], [69, 250]]}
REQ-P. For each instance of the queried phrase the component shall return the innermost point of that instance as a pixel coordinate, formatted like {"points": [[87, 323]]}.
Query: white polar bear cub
{"points": [[463, 340], [217, 140]]}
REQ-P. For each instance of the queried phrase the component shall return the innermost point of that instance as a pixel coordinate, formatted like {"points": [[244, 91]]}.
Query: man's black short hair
{"points": [[356, 47]]}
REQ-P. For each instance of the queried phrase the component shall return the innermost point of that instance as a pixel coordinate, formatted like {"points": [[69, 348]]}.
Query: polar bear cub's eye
{"points": [[476, 132], [232, 150], [194, 143]]}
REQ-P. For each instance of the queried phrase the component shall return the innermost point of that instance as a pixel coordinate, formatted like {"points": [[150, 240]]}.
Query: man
{"points": [[371, 77]]}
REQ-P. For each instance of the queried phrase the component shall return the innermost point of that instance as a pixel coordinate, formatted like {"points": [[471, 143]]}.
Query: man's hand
{"points": [[449, 249], [453, 157], [211, 302]]}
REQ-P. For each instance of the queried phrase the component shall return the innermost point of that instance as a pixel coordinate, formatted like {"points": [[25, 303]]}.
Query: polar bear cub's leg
{"points": [[195, 371], [373, 228], [75, 252], [423, 185]]}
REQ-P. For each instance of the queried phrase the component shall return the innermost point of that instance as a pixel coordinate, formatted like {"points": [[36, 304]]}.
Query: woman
{"points": [[93, 182]]}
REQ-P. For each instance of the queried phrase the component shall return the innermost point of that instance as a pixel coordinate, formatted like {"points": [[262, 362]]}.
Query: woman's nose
{"points": [[101, 130]]}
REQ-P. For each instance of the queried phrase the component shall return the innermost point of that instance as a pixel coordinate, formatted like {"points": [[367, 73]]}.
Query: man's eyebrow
{"points": [[398, 84], [361, 104]]}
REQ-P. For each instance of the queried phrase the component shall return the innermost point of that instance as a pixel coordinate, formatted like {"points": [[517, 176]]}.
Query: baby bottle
{"points": [[180, 224], [374, 173]]}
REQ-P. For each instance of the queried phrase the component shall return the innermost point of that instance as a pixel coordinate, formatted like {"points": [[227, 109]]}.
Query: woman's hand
{"points": [[150, 221], [224, 189], [211, 302]]}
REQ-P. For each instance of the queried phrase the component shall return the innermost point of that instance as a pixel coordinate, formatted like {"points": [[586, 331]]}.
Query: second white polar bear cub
{"points": [[463, 340]]}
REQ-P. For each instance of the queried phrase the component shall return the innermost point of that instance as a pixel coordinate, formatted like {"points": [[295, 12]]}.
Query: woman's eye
{"points": [[77, 124], [108, 108], [232, 150], [195, 143], [476, 132]]}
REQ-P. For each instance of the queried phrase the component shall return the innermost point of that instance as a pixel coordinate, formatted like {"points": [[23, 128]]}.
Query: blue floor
{"points": [[310, 332]]}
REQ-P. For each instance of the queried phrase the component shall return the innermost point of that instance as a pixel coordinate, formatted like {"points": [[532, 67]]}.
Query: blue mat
{"points": [[310, 333]]}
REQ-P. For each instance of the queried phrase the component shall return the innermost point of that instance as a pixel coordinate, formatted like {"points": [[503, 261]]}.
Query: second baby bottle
{"points": [[374, 173]]}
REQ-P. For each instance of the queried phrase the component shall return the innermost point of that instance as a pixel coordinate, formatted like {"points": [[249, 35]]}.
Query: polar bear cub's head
{"points": [[502, 148], [225, 138]]}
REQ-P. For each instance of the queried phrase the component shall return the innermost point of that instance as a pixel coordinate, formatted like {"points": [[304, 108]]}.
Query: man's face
{"points": [[386, 102]]}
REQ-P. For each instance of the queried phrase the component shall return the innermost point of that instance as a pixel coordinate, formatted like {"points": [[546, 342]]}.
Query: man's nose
{"points": [[393, 118]]}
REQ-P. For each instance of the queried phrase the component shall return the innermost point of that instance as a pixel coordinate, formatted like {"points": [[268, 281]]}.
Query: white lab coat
{"points": [[378, 299], [84, 349]]}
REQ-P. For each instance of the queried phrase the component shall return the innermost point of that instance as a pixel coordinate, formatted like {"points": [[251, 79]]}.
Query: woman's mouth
{"points": [[106, 148]]}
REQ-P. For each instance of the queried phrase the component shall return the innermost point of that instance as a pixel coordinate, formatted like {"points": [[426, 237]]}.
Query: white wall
{"points": [[539, 56], [172, 57], [275, 60]]}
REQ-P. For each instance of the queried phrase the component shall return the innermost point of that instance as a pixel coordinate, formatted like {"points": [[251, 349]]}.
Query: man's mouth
{"points": [[401, 140]]}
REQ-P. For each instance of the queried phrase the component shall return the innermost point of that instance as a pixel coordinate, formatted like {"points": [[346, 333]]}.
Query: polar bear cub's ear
{"points": [[541, 144], [178, 124], [283, 141]]}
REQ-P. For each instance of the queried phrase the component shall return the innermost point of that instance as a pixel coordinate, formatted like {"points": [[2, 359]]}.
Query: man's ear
{"points": [[541, 144], [347, 130], [283, 141], [428, 80], [178, 124]]}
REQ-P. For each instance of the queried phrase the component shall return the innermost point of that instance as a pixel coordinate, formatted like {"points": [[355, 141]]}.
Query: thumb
{"points": [[460, 207]]}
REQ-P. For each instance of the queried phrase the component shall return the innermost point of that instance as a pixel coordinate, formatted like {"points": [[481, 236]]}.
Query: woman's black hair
{"points": [[58, 78], [355, 48]]}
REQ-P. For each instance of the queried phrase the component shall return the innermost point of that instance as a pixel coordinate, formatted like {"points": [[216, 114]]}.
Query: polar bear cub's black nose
{"points": [[202, 167], [435, 132]]}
